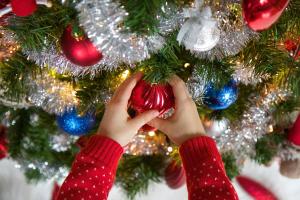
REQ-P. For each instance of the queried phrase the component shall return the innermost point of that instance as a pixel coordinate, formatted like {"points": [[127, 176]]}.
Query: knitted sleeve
{"points": [[93, 171], [206, 176]]}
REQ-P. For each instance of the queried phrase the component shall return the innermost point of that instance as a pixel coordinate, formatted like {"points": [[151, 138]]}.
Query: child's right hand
{"points": [[185, 123]]}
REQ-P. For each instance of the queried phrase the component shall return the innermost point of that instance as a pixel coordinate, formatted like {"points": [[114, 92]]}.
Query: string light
{"points": [[125, 74]]}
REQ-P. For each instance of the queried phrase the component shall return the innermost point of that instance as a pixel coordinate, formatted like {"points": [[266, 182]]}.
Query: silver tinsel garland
{"points": [[102, 20], [54, 59], [51, 94], [196, 86], [245, 73], [234, 33], [240, 138]]}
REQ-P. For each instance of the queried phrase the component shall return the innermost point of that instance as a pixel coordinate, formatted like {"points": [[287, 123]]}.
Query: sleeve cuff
{"points": [[104, 149], [199, 149]]}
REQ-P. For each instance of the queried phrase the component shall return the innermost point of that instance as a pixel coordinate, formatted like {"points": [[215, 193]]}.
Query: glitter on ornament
{"points": [[240, 138], [147, 143], [74, 124], [220, 99], [103, 22], [235, 34], [51, 94]]}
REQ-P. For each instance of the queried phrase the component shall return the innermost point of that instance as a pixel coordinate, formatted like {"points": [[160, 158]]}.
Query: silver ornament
{"points": [[235, 34], [200, 32]]}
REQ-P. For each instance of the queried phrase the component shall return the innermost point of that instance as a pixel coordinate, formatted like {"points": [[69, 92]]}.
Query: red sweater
{"points": [[93, 172]]}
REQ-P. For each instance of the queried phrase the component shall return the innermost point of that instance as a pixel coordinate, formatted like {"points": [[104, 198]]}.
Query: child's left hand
{"points": [[116, 123]]}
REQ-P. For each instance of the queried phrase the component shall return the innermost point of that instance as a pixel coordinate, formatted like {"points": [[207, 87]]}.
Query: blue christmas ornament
{"points": [[220, 99], [74, 124]]}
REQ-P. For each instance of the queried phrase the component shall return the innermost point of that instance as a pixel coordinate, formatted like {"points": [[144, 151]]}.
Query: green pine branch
{"points": [[135, 173], [232, 170], [13, 76], [28, 136], [266, 147]]}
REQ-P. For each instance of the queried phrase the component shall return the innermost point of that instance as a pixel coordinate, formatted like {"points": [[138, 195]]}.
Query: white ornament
{"points": [[200, 32]]}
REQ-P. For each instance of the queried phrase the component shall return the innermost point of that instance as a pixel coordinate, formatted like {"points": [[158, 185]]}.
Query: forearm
{"points": [[93, 171], [206, 176]]}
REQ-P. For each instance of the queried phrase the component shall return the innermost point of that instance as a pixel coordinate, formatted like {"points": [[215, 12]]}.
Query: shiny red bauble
{"points": [[80, 51], [293, 47], [262, 14], [23, 8], [294, 133], [146, 96], [255, 189], [175, 175]]}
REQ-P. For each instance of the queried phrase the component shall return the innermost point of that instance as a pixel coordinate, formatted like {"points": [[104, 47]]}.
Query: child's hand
{"points": [[185, 122], [116, 123]]}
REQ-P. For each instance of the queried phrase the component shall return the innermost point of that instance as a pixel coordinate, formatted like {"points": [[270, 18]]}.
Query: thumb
{"points": [[158, 123], [143, 118]]}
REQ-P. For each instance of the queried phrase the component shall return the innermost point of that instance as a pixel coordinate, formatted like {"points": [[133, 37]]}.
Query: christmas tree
{"points": [[60, 62]]}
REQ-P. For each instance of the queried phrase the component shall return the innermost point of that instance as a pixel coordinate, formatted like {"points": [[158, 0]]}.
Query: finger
{"points": [[123, 92], [143, 118], [158, 123], [179, 88]]}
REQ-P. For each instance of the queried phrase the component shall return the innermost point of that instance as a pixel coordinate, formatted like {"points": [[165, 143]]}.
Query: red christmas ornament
{"points": [[255, 189], [23, 8], [261, 14], [294, 133], [293, 46], [175, 175], [146, 96], [80, 51], [3, 142]]}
